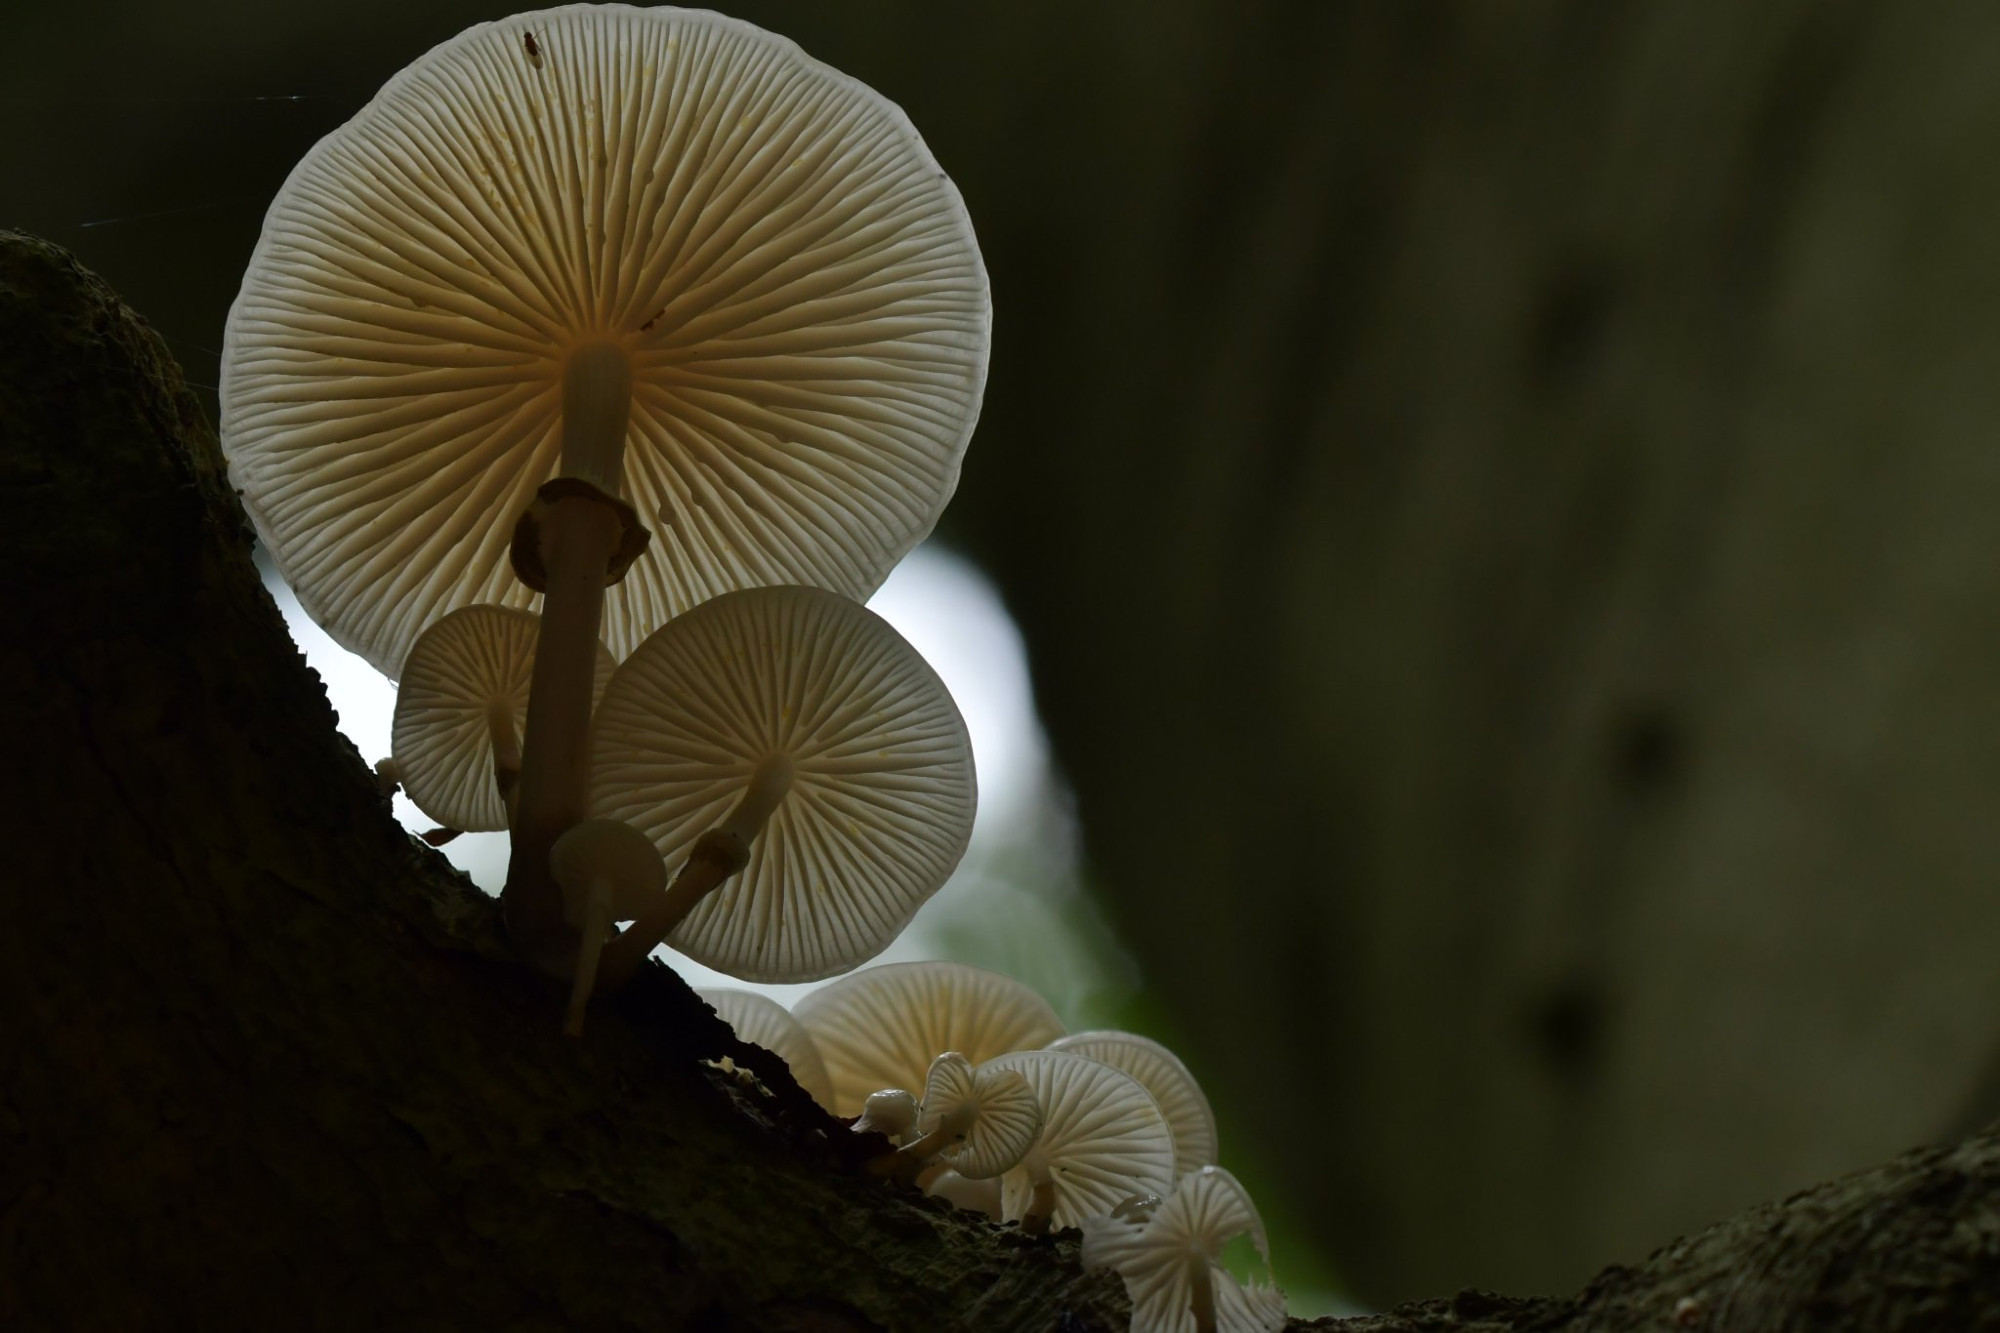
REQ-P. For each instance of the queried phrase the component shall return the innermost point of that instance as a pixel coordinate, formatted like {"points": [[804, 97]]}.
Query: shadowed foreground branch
{"points": [[270, 1060]]}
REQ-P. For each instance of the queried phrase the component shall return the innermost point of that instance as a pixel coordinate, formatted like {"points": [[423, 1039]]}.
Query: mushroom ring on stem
{"points": [[807, 763], [456, 739], [712, 285], [882, 1027]]}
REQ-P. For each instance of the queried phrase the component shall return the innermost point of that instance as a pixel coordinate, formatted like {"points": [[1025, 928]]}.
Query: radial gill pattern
{"points": [[466, 674], [1161, 1073], [794, 278], [1161, 1255], [881, 800], [1103, 1139], [882, 1027]]}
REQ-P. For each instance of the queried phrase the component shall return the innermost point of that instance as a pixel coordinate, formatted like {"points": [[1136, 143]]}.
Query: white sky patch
{"points": [[949, 611]]}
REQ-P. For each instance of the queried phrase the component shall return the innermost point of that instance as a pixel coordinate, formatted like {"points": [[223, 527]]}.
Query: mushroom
{"points": [[1103, 1140], [981, 1121], [881, 1027], [456, 739], [1161, 1073], [890, 1112], [608, 872], [791, 734], [577, 272], [762, 1021], [1169, 1253]]}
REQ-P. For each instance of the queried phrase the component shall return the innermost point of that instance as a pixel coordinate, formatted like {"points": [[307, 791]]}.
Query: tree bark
{"points": [[270, 1061]]}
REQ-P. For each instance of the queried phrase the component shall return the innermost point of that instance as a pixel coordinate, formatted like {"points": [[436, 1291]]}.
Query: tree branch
{"points": [[269, 1060]]}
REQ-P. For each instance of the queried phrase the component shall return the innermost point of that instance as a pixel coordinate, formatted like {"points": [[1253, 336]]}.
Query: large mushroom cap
{"points": [[470, 663], [879, 799], [1161, 1073], [882, 1026], [794, 278]]}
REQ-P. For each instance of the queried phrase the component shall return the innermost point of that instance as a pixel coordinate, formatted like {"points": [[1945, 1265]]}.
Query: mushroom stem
{"points": [[597, 409], [506, 750], [578, 537], [1202, 1280], [1042, 1202], [907, 1162], [596, 925], [718, 854]]}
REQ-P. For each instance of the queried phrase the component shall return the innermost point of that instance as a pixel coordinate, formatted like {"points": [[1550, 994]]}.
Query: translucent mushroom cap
{"points": [[616, 855], [1170, 1258], [1161, 1073], [471, 662], [762, 1021], [881, 792], [795, 280], [1103, 1138], [883, 1026], [991, 1112]]}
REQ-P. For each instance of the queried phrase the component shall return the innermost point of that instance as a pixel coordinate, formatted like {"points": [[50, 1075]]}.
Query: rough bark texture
{"points": [[269, 1061]]}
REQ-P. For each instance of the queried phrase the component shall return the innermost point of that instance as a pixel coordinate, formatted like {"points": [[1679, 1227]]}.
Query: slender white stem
{"points": [[1202, 1278], [718, 854], [1042, 1202], [506, 751], [578, 537], [597, 409], [596, 925]]}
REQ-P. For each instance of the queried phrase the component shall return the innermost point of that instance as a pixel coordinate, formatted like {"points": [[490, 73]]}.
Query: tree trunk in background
{"points": [[1504, 504]]}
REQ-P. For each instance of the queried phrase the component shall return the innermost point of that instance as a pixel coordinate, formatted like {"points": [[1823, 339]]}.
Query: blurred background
{"points": [[1501, 508]]}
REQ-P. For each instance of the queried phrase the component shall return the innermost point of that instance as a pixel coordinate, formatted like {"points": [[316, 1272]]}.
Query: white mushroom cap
{"points": [[617, 857], [990, 1116], [1161, 1073], [881, 1027], [762, 1021], [466, 672], [1170, 1259], [890, 1111], [819, 713], [1103, 1138], [786, 277]]}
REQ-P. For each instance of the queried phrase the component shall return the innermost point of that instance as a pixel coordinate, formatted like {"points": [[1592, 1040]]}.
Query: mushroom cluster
{"points": [[995, 1108], [588, 380], [627, 314]]}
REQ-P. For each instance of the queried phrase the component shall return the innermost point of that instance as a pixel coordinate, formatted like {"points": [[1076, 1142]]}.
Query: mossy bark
{"points": [[270, 1061]]}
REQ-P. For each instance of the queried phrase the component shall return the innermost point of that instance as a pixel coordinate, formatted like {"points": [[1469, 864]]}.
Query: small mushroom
{"points": [[791, 735], [890, 1112], [882, 1026], [608, 872], [1103, 1140], [1170, 1253], [762, 1021], [980, 1121], [456, 739], [1161, 1073]]}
